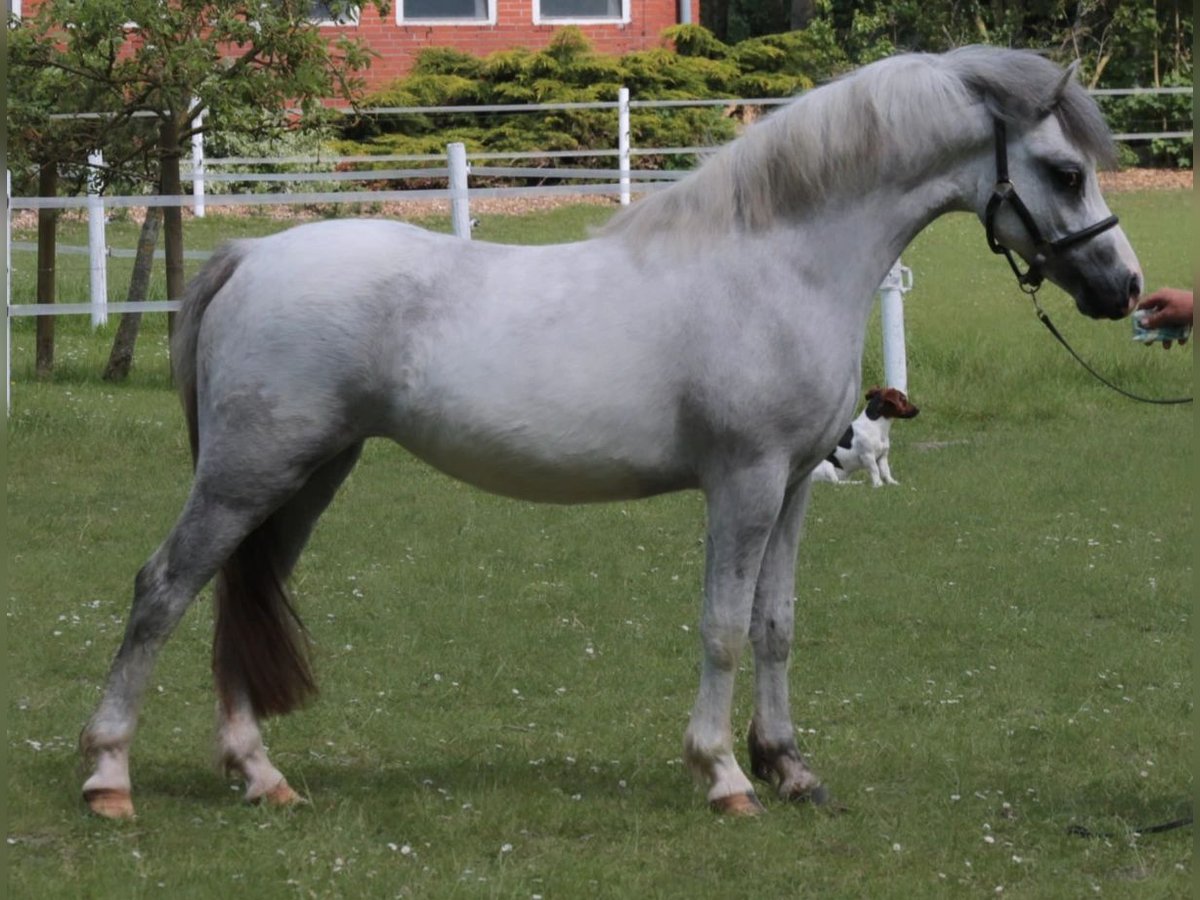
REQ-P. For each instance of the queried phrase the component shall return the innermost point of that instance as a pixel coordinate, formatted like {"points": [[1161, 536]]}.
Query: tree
{"points": [[803, 12], [48, 154], [257, 66], [120, 359]]}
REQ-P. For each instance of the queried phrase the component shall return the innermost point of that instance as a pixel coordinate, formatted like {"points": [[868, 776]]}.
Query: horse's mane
{"points": [[838, 135]]}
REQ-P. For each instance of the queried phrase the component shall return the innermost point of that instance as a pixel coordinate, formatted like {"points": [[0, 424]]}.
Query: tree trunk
{"points": [[121, 358], [714, 15], [168, 141], [802, 14], [47, 249]]}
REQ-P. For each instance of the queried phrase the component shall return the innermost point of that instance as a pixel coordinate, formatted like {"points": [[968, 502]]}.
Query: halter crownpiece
{"points": [[1005, 192]]}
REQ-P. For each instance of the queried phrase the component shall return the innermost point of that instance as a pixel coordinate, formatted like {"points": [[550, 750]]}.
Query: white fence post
{"points": [[623, 142], [460, 203], [198, 169], [895, 285], [8, 294], [97, 247]]}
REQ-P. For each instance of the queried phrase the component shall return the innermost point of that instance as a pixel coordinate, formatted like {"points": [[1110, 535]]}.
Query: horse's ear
{"points": [[1068, 76]]}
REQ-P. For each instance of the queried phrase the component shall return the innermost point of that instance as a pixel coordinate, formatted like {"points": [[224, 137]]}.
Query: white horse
{"points": [[710, 337]]}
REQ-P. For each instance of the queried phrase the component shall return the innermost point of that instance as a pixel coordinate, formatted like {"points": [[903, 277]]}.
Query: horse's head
{"points": [[1040, 199]]}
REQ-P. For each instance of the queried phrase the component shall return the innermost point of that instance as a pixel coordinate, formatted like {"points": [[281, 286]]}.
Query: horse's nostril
{"points": [[1135, 286]]}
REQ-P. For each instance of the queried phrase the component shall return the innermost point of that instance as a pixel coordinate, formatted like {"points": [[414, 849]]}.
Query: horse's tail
{"points": [[260, 647], [186, 334]]}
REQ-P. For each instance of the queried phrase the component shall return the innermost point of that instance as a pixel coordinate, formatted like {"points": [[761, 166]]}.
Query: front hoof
{"points": [[109, 803], [741, 805]]}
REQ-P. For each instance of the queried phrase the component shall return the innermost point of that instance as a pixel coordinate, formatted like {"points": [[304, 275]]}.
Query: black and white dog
{"points": [[866, 442]]}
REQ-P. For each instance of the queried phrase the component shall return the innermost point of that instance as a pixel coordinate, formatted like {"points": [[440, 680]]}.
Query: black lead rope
{"points": [[1045, 320], [1182, 822]]}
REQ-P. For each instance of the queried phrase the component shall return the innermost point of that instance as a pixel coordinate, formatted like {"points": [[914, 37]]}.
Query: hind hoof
{"points": [[281, 795], [741, 805], [109, 803]]}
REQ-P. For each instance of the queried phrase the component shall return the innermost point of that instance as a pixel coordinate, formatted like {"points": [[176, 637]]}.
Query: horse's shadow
{"points": [[449, 784]]}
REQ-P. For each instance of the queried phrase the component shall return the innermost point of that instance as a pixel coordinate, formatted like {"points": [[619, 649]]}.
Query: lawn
{"points": [[995, 650]]}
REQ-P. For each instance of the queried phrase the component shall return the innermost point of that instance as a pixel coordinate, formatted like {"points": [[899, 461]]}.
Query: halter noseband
{"points": [[1005, 192]]}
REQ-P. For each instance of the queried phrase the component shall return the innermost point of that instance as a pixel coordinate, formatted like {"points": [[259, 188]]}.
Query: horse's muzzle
{"points": [[1115, 300]]}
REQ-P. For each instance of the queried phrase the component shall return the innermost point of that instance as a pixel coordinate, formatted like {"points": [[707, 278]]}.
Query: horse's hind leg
{"points": [[211, 531], [239, 739], [774, 756], [206, 533]]}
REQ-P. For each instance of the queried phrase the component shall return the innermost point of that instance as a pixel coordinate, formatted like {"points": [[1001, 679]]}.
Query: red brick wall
{"points": [[398, 45]]}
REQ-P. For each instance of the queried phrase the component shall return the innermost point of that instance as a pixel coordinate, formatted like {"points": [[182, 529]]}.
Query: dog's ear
{"points": [[874, 392]]}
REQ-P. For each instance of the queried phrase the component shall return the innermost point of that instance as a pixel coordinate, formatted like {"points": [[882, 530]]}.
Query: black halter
{"points": [[1005, 192]]}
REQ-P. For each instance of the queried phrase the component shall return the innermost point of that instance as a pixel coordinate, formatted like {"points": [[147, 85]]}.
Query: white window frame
{"points": [[539, 19], [14, 8], [449, 21]]}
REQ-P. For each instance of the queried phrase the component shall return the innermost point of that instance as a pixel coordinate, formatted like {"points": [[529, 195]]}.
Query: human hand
{"points": [[1167, 308]]}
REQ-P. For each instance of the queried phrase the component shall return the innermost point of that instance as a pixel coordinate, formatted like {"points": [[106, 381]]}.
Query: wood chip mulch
{"points": [[1147, 180]]}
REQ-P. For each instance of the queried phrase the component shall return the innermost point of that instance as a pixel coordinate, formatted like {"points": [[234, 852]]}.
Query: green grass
{"points": [[998, 648]]}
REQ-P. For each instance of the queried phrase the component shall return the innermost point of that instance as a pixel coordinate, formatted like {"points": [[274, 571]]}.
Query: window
{"points": [[449, 12], [580, 11], [322, 14]]}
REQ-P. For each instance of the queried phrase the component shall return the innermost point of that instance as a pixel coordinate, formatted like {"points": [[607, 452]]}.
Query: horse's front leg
{"points": [[774, 756], [743, 506]]}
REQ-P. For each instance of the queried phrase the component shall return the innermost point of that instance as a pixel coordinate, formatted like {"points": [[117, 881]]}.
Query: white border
{"points": [[449, 22], [539, 19]]}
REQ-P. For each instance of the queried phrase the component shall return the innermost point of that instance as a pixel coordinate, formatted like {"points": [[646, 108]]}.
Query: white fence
{"points": [[455, 166]]}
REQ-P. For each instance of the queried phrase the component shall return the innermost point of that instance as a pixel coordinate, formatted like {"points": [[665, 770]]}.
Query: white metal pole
{"points": [[198, 169], [623, 142], [97, 249], [891, 308], [460, 203]]}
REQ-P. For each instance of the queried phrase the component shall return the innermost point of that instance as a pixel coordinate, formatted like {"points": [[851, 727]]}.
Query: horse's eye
{"points": [[1069, 179]]}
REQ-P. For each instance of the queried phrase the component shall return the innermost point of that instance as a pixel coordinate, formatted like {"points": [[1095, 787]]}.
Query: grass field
{"points": [[987, 654]]}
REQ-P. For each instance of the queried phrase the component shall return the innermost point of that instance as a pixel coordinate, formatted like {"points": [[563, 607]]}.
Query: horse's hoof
{"points": [[110, 803], [742, 805], [281, 795]]}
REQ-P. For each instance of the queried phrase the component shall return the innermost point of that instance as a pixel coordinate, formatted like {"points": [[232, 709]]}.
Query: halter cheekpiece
{"points": [[1005, 192]]}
